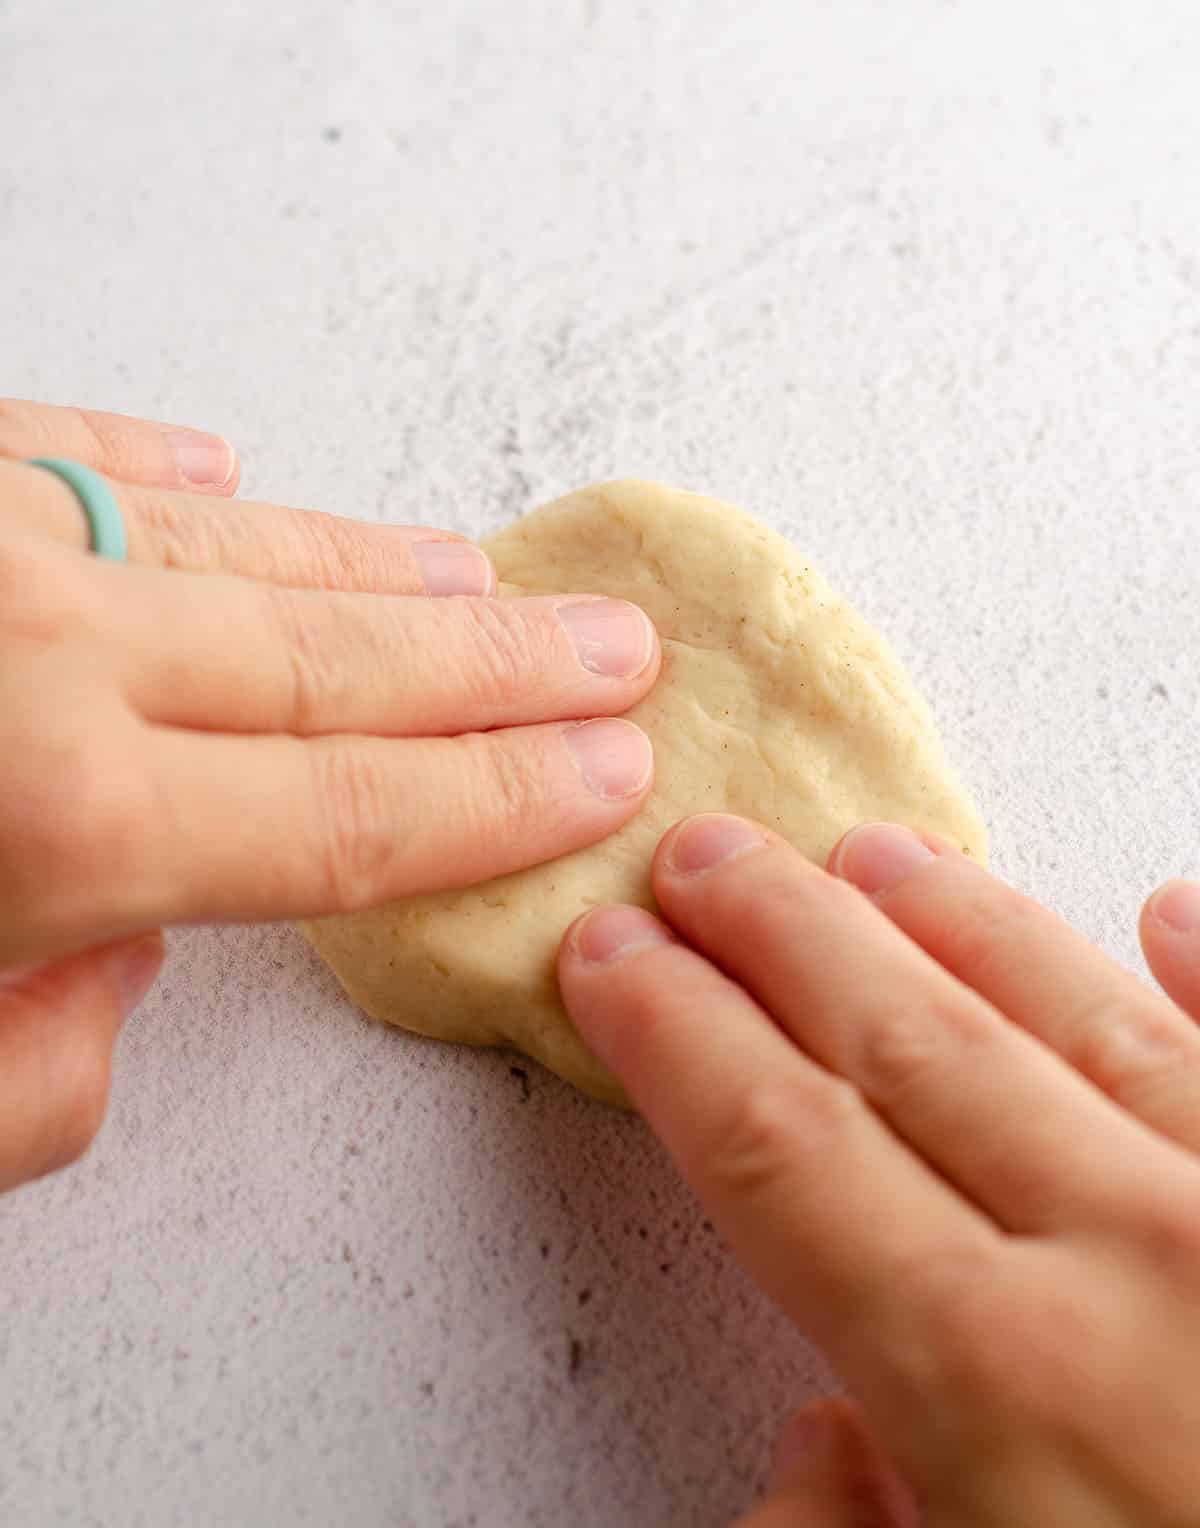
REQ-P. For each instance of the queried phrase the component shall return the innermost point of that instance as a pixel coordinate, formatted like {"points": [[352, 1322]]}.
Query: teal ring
{"points": [[96, 500]]}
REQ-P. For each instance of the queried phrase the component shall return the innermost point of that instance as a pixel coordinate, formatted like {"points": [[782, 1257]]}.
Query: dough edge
{"points": [[410, 961]]}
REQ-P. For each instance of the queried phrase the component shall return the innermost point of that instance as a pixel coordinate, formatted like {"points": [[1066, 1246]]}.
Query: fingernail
{"points": [[453, 567], [878, 855], [206, 460], [710, 840], [1177, 905], [610, 932], [137, 966], [612, 637], [614, 757], [800, 1435]]}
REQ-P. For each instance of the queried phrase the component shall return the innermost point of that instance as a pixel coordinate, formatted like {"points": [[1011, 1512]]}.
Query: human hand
{"points": [[237, 726], [954, 1141]]}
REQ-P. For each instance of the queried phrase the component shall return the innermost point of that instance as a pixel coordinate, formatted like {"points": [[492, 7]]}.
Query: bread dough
{"points": [[776, 701]]}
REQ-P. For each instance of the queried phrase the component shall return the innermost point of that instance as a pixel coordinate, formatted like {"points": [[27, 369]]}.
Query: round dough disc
{"points": [[776, 701]]}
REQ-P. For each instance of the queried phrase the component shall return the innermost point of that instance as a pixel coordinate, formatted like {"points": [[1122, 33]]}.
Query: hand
{"points": [[955, 1142], [237, 726]]}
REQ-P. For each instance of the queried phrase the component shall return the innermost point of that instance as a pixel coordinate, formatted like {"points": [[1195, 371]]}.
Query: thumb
{"points": [[829, 1472], [58, 1023]]}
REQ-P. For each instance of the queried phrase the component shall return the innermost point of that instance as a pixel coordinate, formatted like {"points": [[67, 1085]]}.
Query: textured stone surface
{"points": [[916, 284]]}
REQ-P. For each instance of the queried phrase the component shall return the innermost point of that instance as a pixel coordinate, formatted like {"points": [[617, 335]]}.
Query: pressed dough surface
{"points": [[776, 700]]}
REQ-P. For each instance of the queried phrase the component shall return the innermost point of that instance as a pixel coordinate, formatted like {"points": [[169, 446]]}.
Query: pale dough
{"points": [[776, 701]]}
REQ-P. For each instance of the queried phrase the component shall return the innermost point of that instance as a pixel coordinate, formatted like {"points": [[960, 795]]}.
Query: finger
{"points": [[1039, 972], [1170, 932], [333, 824], [838, 1220], [992, 1109], [249, 657], [57, 1028], [295, 547], [129, 450], [830, 1473]]}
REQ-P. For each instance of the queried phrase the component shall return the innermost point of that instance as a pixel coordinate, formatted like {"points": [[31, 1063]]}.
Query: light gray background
{"points": [[917, 283]]}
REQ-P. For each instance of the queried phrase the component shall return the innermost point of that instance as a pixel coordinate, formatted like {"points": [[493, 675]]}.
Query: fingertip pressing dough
{"points": [[776, 701]]}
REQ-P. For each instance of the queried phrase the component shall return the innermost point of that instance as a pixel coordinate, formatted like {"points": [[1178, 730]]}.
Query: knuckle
{"points": [[356, 848], [987, 925], [897, 1054], [502, 652], [336, 552], [114, 448], [318, 681], [510, 795], [771, 1132], [1130, 1049], [905, 1049], [174, 538], [966, 1314]]}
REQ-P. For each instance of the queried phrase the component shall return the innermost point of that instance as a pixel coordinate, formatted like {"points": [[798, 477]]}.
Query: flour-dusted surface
{"points": [[914, 283]]}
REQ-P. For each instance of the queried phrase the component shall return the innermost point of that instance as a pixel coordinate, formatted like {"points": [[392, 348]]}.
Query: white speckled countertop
{"points": [[918, 284]]}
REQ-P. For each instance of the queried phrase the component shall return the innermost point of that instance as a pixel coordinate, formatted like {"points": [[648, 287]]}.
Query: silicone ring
{"points": [[96, 500]]}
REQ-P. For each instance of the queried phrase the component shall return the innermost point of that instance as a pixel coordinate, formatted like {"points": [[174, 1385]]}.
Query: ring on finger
{"points": [[105, 523]]}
